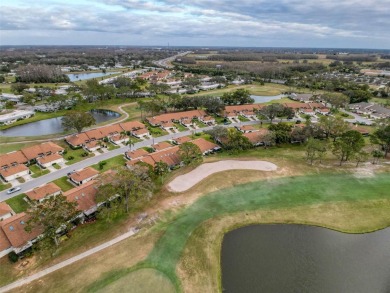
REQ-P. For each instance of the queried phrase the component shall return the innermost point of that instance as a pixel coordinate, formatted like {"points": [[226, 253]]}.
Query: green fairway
{"points": [[140, 281], [277, 193]]}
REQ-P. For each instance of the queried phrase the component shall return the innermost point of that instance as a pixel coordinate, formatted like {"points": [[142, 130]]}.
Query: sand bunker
{"points": [[186, 181]]}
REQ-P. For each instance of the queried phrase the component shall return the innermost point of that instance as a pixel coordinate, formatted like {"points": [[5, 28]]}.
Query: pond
{"points": [[54, 125], [265, 99], [297, 258], [83, 76]]}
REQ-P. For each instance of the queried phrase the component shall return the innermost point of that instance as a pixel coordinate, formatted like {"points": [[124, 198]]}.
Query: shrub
{"points": [[70, 158], [101, 164], [13, 257]]}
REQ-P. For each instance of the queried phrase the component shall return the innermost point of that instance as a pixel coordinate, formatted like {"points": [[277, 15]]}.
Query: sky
{"points": [[233, 23]]}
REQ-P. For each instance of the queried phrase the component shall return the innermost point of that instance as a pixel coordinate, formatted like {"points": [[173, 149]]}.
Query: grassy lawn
{"points": [[111, 146], [268, 89], [143, 280], [17, 203], [243, 119], [156, 131], [63, 183], [76, 154], [56, 166], [200, 124], [111, 163], [133, 111], [4, 186], [6, 148], [37, 172], [180, 127]]}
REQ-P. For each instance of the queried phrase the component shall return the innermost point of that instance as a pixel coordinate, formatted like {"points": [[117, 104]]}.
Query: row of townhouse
{"points": [[14, 237], [247, 110], [155, 76], [13, 164], [116, 133], [168, 153], [166, 121], [309, 108], [373, 110]]}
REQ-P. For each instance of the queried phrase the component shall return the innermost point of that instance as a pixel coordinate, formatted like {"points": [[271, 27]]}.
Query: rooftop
{"points": [[43, 191]]}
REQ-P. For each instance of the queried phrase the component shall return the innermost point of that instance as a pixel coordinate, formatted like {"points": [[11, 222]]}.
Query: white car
{"points": [[13, 189]]}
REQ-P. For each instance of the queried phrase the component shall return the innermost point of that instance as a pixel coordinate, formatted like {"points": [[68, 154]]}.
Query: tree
{"points": [[160, 169], [381, 136], [333, 126], [190, 153], [336, 101], [346, 146], [217, 132], [360, 156], [376, 154], [77, 120], [54, 215], [240, 96], [282, 132], [272, 110], [315, 150], [127, 186], [236, 141]]}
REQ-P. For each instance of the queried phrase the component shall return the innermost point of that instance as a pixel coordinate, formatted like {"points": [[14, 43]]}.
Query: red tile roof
{"points": [[169, 156], [169, 117], [49, 158], [13, 170], [94, 134], [256, 137], [4, 242], [4, 209], [46, 148], [137, 154], [77, 139], [84, 195], [182, 139], [110, 130], [12, 158], [83, 174], [43, 191], [161, 146], [13, 228], [132, 125], [204, 145], [242, 109]]}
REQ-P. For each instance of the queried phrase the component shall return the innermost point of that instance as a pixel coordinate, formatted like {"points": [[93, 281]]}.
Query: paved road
{"points": [[94, 160], [167, 61], [357, 118], [67, 262]]}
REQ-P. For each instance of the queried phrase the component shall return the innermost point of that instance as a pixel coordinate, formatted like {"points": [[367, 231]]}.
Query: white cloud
{"points": [[349, 21]]}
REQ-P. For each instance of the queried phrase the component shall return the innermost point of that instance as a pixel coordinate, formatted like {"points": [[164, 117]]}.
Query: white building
{"points": [[14, 116]]}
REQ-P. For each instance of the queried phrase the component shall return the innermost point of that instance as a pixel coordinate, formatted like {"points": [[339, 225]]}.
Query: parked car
{"points": [[13, 189]]}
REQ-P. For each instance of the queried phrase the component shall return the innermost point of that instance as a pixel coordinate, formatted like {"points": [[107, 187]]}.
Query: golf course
{"points": [[181, 252]]}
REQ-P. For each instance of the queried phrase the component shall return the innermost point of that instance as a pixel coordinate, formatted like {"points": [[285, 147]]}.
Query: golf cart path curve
{"points": [[186, 181]]}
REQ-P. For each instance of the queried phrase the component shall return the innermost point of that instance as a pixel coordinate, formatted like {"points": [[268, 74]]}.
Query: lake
{"points": [[54, 125], [265, 99], [83, 76], [298, 258]]}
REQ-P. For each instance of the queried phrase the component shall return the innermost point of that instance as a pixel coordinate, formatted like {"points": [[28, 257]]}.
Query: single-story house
{"points": [[141, 133], [132, 155], [92, 146], [17, 236], [206, 146], [83, 176], [49, 160], [207, 119], [11, 173], [94, 134], [14, 116], [43, 192], [5, 211], [180, 140], [84, 196], [42, 150], [110, 130], [247, 128], [5, 245], [77, 140], [256, 138], [305, 98], [132, 125], [161, 146], [119, 138], [12, 159]]}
